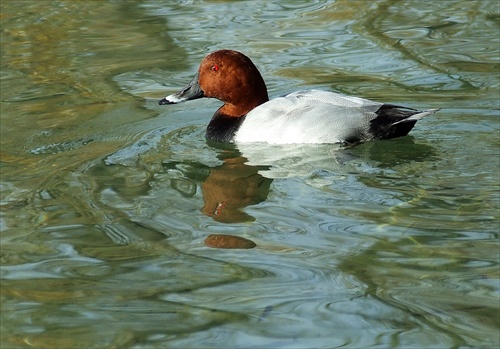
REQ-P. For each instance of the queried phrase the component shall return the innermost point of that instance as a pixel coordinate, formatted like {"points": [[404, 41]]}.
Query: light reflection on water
{"points": [[106, 211]]}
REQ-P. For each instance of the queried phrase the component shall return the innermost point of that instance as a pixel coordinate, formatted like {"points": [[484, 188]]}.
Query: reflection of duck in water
{"points": [[241, 181], [301, 117], [229, 188], [228, 241]]}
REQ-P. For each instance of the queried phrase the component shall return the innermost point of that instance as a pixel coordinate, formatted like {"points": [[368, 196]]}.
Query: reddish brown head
{"points": [[229, 76]]}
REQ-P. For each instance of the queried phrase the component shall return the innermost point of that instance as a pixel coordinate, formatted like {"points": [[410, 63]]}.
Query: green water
{"points": [[108, 200]]}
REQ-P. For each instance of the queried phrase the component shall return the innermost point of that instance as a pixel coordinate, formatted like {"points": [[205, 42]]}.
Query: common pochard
{"points": [[311, 116]]}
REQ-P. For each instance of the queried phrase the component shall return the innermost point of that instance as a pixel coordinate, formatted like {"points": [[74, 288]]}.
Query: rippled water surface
{"points": [[122, 228]]}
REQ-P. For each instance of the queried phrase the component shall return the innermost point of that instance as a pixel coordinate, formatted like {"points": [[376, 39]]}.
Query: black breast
{"points": [[222, 128]]}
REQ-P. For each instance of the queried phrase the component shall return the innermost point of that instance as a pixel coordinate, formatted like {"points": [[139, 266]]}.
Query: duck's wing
{"points": [[309, 117]]}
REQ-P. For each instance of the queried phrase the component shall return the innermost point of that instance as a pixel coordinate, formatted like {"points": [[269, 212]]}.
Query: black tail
{"points": [[395, 121]]}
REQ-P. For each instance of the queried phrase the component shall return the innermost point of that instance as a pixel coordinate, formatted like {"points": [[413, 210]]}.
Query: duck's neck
{"points": [[222, 128], [227, 120], [242, 107]]}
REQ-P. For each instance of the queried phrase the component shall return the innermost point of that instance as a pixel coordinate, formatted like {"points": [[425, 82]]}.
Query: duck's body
{"points": [[324, 117], [312, 116]]}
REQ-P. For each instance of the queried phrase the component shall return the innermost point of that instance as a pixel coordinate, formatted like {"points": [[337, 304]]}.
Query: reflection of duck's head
{"points": [[228, 241], [231, 187]]}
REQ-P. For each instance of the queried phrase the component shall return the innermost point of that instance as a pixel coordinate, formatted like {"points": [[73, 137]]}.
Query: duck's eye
{"points": [[215, 68]]}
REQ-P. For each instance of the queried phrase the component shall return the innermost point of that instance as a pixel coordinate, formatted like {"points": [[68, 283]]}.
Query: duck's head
{"points": [[229, 76]]}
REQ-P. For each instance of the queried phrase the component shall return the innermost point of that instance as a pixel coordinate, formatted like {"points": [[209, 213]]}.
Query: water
{"points": [[115, 211]]}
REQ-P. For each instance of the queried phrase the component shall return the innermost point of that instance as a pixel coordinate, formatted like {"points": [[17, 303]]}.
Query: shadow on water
{"points": [[396, 152]]}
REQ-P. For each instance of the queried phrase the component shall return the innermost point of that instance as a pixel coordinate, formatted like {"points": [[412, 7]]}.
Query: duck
{"points": [[306, 116]]}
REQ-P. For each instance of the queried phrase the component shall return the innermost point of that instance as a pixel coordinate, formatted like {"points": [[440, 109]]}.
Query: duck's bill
{"points": [[191, 91]]}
